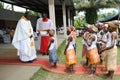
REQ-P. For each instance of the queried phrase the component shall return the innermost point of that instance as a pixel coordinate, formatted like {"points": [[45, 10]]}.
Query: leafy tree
{"points": [[92, 6], [1, 5], [91, 15], [35, 13], [78, 22]]}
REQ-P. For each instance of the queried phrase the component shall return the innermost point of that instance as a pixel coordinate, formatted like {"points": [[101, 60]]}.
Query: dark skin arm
{"points": [[69, 40], [51, 41], [66, 48], [31, 36]]}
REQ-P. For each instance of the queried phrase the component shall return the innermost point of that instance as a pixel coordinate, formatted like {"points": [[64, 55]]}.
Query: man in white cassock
{"points": [[42, 27], [23, 39]]}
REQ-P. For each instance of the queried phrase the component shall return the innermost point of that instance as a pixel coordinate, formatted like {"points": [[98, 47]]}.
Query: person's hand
{"points": [[31, 36], [36, 39], [47, 51], [99, 40], [48, 31]]}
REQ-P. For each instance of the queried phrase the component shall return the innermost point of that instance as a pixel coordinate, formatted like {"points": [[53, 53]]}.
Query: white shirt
{"points": [[104, 38], [109, 42], [109, 39], [70, 46], [93, 45], [99, 36], [41, 25]]}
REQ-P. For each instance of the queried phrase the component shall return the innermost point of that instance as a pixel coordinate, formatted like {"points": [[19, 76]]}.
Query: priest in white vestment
{"points": [[23, 39], [43, 25]]}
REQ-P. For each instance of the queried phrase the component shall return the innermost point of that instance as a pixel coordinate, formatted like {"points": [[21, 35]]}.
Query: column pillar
{"points": [[64, 17], [69, 17], [71, 21], [12, 7], [52, 16]]}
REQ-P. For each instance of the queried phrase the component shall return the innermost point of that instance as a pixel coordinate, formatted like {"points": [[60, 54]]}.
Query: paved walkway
{"points": [[18, 72], [78, 69]]}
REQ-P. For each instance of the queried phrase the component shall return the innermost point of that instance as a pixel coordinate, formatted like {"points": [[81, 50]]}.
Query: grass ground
{"points": [[42, 74]]}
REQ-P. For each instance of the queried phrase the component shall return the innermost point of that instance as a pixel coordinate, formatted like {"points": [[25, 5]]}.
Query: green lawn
{"points": [[42, 74]]}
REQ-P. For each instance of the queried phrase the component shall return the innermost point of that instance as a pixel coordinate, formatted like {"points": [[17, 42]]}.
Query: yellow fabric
{"points": [[32, 43], [70, 57], [23, 17], [93, 57]]}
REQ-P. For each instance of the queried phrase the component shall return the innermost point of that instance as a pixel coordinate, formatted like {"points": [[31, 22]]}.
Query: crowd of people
{"points": [[99, 44], [6, 35]]}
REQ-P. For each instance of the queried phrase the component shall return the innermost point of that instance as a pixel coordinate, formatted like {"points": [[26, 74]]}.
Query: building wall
{"points": [[13, 17]]}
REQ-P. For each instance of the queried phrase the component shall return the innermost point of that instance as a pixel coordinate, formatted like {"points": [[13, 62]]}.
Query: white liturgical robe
{"points": [[42, 26], [22, 41]]}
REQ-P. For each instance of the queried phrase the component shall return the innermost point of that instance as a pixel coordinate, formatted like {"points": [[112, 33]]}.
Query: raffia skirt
{"points": [[93, 57], [111, 59], [70, 57]]}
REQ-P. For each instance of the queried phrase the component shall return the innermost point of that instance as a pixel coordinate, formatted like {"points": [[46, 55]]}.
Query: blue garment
{"points": [[52, 55]]}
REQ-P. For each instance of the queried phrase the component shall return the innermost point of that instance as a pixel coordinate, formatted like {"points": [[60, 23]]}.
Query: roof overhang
{"points": [[40, 5]]}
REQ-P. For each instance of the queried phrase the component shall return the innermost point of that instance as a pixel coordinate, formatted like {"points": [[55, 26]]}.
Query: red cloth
{"points": [[45, 19], [44, 44]]}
